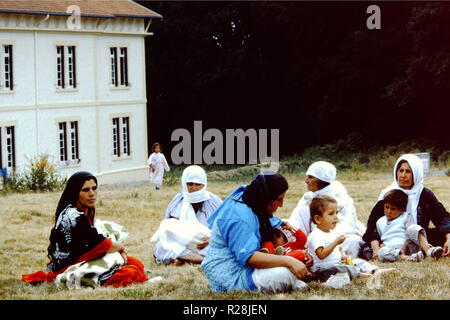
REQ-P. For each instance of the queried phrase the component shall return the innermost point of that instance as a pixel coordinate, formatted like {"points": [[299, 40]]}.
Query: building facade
{"points": [[73, 85]]}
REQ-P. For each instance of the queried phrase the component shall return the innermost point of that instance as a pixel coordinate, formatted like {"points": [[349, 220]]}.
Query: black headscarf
{"points": [[265, 188], [70, 196]]}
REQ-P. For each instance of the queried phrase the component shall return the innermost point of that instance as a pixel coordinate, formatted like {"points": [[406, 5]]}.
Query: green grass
{"points": [[27, 218]]}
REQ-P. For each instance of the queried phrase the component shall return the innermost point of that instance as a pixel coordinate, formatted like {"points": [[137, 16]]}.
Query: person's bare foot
{"points": [[177, 262], [383, 271], [374, 281]]}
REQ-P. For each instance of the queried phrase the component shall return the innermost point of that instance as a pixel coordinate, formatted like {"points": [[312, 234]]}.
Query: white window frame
{"points": [[6, 67], [74, 138], [7, 146], [68, 143], [66, 66], [121, 143], [119, 74]]}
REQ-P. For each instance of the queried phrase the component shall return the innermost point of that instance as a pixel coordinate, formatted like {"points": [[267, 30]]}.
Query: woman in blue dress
{"points": [[239, 226]]}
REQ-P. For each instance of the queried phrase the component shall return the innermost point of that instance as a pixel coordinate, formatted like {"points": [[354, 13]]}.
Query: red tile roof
{"points": [[93, 8]]}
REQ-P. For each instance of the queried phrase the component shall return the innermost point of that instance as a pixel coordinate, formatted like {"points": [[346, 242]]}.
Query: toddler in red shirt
{"points": [[286, 242]]}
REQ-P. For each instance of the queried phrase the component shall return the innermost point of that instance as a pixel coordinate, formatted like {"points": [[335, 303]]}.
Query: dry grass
{"points": [[26, 220]]}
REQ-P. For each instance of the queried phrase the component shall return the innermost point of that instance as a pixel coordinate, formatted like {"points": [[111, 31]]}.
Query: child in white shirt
{"points": [[324, 243], [401, 238]]}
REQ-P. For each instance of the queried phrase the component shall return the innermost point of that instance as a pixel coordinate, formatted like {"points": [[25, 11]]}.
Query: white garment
{"points": [[391, 252], [193, 174], [90, 273], [175, 236], [278, 279], [414, 193], [159, 163], [348, 222], [165, 256], [322, 170], [318, 238], [393, 233]]}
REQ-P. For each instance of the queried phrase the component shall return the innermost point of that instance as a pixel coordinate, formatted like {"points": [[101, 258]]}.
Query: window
{"points": [[74, 140], [7, 147], [6, 68], [65, 67], [119, 66], [121, 136], [68, 142]]}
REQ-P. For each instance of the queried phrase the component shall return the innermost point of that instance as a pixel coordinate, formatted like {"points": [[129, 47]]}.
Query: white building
{"points": [[73, 85]]}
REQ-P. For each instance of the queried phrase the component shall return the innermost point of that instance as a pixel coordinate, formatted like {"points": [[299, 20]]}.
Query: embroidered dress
{"points": [[80, 256], [74, 236]]}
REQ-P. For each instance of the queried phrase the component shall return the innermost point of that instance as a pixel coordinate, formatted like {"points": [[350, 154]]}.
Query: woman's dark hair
{"points": [[264, 188], [70, 197], [155, 145], [322, 184], [398, 167]]}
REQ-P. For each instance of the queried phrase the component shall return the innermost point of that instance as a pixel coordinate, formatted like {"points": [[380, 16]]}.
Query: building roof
{"points": [[88, 8]]}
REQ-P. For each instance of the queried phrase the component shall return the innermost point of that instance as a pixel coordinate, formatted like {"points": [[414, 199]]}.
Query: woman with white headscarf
{"points": [[422, 205], [321, 180], [183, 235]]}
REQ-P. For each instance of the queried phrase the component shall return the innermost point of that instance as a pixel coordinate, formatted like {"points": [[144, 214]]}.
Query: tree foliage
{"points": [[312, 70]]}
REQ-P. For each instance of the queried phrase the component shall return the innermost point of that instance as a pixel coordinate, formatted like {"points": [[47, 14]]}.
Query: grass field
{"points": [[26, 221]]}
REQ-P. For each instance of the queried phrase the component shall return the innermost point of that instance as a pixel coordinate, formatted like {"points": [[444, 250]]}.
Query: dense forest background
{"points": [[311, 69]]}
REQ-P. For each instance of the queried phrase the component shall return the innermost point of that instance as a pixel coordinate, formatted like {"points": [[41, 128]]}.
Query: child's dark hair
{"points": [[155, 145], [396, 198], [319, 204], [277, 232]]}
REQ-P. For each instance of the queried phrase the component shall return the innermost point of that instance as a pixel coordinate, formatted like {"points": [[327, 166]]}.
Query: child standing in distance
{"points": [[323, 243], [158, 164], [401, 239], [289, 243]]}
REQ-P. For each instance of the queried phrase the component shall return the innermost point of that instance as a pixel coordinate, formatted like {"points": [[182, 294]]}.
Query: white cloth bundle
{"points": [[177, 235], [88, 273]]}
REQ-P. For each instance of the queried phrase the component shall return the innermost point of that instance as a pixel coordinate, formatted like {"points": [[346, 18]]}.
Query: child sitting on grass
{"points": [[323, 243], [289, 243], [401, 238]]}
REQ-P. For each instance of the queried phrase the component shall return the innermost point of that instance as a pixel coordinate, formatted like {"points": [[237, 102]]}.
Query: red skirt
{"points": [[130, 273]]}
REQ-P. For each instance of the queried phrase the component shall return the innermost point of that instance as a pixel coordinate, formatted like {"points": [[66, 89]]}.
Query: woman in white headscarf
{"points": [[321, 180], [183, 235], [422, 205]]}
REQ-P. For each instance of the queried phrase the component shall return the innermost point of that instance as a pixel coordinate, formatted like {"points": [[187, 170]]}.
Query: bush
{"points": [[40, 175], [14, 183], [351, 153]]}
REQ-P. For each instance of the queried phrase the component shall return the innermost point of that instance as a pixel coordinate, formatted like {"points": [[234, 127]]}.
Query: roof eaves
{"points": [[158, 15], [138, 16], [82, 14], [55, 13]]}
